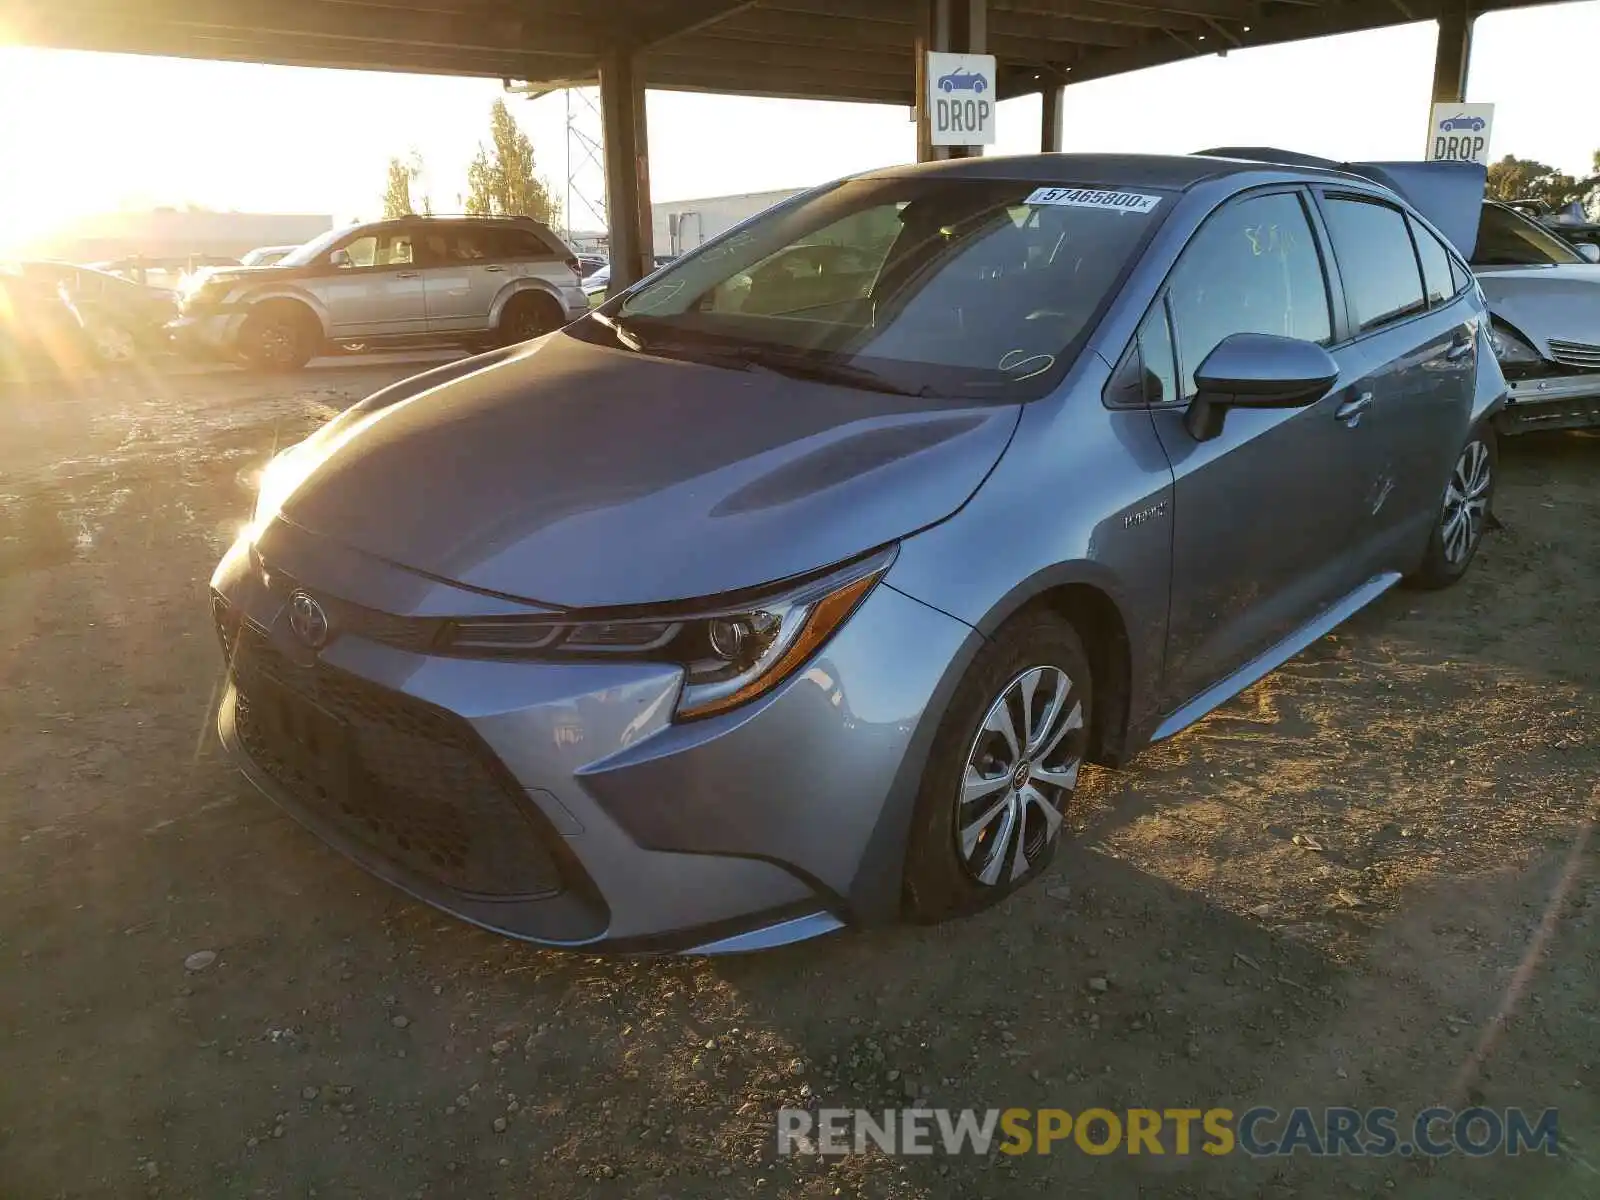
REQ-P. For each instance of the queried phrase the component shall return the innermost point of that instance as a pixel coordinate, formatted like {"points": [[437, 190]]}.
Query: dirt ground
{"points": [[1367, 881]]}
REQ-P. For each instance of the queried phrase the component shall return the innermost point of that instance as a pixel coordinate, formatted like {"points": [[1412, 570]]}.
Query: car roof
{"points": [[1172, 171]]}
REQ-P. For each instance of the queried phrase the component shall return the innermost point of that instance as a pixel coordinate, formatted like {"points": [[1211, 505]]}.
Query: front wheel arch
{"points": [[525, 296], [1081, 594]]}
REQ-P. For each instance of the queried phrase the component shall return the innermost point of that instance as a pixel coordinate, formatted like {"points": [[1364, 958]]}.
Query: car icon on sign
{"points": [[1462, 121], [963, 81]]}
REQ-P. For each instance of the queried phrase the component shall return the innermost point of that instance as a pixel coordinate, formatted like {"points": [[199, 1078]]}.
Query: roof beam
{"points": [[717, 52], [689, 75], [1093, 10], [374, 25], [796, 26], [1222, 10], [1281, 27], [682, 17]]}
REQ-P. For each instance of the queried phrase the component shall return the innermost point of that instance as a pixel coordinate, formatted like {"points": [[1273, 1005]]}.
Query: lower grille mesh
{"points": [[420, 788]]}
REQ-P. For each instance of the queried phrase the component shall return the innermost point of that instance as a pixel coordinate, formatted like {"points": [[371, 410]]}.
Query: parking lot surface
{"points": [[1370, 880]]}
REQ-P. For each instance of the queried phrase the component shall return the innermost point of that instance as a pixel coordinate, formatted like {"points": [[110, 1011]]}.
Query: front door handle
{"points": [[1460, 348], [408, 275], [1350, 411]]}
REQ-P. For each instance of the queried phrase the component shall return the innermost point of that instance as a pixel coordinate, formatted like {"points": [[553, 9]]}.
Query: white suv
{"points": [[411, 281]]}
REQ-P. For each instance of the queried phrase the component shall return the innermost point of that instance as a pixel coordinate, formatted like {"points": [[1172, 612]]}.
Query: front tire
{"points": [[1464, 512], [278, 338], [1003, 770], [527, 317]]}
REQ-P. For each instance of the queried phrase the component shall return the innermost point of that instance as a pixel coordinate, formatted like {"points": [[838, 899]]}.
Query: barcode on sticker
{"points": [[1134, 202]]}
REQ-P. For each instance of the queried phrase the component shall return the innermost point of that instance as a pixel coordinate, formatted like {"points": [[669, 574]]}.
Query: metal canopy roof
{"points": [[811, 49]]}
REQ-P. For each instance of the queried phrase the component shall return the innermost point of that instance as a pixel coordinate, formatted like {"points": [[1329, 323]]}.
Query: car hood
{"points": [[577, 475], [245, 274], [1541, 303]]}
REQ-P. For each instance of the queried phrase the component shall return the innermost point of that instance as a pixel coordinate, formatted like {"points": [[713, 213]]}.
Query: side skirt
{"points": [[1275, 656]]}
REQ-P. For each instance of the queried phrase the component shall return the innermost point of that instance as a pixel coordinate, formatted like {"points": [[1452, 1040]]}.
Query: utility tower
{"points": [[583, 204]]}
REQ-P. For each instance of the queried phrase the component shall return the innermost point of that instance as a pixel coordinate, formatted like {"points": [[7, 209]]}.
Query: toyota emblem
{"points": [[309, 622]]}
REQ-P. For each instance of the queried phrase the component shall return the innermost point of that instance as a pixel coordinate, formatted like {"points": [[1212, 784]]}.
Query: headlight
{"points": [[730, 654], [1511, 349], [278, 480], [203, 292]]}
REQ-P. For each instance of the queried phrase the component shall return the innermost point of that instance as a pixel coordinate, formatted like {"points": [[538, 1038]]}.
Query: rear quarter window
{"points": [[1438, 275]]}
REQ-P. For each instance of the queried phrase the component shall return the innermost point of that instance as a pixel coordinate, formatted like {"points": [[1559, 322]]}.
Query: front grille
{"points": [[1583, 355], [416, 783]]}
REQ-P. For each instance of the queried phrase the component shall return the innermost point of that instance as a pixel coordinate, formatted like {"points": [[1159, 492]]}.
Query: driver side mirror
{"points": [[1257, 370], [1589, 252], [339, 258]]}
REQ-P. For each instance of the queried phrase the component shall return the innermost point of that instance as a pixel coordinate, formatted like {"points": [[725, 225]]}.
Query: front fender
{"points": [[1082, 496], [266, 293], [521, 286]]}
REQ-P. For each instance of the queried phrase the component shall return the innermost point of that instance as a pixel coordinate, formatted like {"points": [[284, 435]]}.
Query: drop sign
{"points": [[1460, 133], [961, 99]]}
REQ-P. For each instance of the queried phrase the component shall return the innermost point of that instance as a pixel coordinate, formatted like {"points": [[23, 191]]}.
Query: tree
{"points": [[1515, 178], [397, 193], [501, 179]]}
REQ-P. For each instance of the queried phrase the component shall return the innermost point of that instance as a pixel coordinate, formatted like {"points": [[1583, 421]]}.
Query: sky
{"points": [[83, 132]]}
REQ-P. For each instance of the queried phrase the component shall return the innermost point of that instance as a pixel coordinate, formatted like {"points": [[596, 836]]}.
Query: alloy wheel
{"points": [[1020, 771], [1466, 502], [276, 344], [527, 322]]}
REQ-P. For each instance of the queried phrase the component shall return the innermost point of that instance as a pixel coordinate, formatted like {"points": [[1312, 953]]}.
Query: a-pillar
{"points": [[1454, 52], [630, 227]]}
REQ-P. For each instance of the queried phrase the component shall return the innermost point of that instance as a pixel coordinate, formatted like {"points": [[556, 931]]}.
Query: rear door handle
{"points": [[1350, 411], [494, 268], [408, 275], [1460, 348]]}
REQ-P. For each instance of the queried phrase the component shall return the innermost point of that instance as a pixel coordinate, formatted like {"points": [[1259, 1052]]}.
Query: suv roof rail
{"points": [[520, 217]]}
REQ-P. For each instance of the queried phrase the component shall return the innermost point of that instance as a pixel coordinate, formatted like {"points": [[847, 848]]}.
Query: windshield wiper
{"points": [[750, 358], [831, 371], [626, 337]]}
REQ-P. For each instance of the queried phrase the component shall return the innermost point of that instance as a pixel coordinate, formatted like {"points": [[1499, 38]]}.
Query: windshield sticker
{"points": [[1133, 202]]}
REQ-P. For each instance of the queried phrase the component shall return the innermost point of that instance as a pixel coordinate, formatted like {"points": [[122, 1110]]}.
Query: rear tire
{"points": [[279, 337], [1464, 512], [529, 316], [977, 836]]}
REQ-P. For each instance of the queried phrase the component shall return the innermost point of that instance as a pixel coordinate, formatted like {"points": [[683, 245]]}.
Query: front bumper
{"points": [[206, 335], [778, 821], [1552, 402]]}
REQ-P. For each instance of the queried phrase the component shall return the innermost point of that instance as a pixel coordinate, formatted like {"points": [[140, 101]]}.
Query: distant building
{"points": [[681, 225], [165, 234]]}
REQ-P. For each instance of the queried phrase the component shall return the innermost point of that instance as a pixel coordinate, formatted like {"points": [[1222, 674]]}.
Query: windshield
{"points": [[1509, 239], [933, 285], [312, 250]]}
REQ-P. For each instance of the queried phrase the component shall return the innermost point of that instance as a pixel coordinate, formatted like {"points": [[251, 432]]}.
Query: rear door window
{"points": [[461, 244], [1376, 260], [1254, 267], [1436, 273], [520, 244]]}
